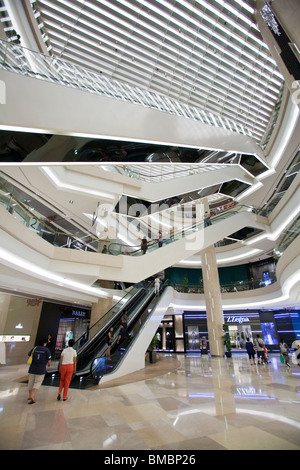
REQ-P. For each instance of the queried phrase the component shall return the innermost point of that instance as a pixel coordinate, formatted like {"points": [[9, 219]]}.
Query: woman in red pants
{"points": [[67, 366]]}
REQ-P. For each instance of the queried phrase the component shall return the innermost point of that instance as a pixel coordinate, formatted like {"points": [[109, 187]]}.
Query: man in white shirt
{"points": [[156, 285], [67, 367]]}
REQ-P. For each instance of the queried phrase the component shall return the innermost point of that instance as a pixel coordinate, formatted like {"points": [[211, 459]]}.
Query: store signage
{"points": [[14, 338], [78, 313], [237, 319]]}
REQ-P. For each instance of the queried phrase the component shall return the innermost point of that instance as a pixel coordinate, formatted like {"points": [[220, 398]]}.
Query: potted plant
{"points": [[226, 339], [185, 282], [152, 354]]}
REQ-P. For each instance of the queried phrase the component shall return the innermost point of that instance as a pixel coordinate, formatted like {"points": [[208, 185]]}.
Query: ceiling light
{"points": [[41, 273]]}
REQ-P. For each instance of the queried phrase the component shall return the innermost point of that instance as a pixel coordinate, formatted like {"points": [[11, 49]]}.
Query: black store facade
{"points": [[63, 322]]}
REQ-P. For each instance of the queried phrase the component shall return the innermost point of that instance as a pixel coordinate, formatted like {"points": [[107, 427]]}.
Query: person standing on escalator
{"points": [[124, 321], [157, 285], [110, 338], [144, 245], [207, 221], [122, 335], [160, 239]]}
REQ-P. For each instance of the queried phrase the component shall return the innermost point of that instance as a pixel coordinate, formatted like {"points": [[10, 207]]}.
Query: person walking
{"points": [[266, 357], [259, 346], [251, 351], [67, 366], [41, 358], [284, 350]]}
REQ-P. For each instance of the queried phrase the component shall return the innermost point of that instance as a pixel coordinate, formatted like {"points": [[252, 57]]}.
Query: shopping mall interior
{"points": [[149, 166]]}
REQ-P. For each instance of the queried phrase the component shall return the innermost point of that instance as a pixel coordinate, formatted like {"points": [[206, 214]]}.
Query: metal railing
{"points": [[157, 173]]}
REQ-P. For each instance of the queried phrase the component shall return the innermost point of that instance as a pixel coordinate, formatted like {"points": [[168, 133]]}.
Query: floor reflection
{"points": [[199, 403]]}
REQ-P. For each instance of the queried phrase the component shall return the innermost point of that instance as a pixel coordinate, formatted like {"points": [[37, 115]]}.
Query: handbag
{"points": [[282, 359], [29, 362]]}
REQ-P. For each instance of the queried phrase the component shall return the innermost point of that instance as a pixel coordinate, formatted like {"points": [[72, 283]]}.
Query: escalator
{"points": [[134, 303], [101, 366], [187, 230]]}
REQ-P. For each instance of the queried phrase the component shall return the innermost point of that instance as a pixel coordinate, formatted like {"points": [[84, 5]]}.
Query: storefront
{"points": [[195, 332], [73, 324], [62, 322], [165, 334], [242, 326], [189, 331]]}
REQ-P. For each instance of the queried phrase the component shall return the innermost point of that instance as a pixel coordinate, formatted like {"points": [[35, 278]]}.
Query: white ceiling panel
{"points": [[205, 54]]}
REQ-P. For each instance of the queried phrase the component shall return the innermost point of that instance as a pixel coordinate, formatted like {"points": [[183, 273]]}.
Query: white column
{"points": [[212, 293]]}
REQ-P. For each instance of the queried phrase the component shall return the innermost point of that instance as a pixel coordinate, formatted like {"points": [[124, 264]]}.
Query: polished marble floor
{"points": [[179, 403]]}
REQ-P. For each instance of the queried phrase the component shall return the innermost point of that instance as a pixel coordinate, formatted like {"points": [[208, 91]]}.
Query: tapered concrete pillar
{"points": [[212, 293]]}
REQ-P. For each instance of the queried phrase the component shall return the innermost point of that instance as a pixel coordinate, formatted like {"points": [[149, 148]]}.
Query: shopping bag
{"points": [[29, 362], [282, 359]]}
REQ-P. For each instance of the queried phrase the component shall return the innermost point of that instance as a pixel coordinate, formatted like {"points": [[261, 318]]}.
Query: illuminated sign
{"points": [[237, 319], [78, 313], [14, 338]]}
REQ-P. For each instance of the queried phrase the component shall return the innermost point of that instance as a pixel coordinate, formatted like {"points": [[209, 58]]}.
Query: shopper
{"points": [[156, 285], [124, 321], [122, 335], [266, 358], [110, 338], [144, 245], [49, 344], [207, 220], [160, 239], [284, 350], [259, 346], [296, 354], [41, 358], [67, 367], [251, 351]]}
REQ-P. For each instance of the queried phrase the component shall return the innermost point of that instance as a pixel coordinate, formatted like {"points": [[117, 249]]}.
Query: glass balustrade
{"points": [[238, 286], [23, 61], [48, 230], [287, 237], [19, 205], [20, 209]]}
